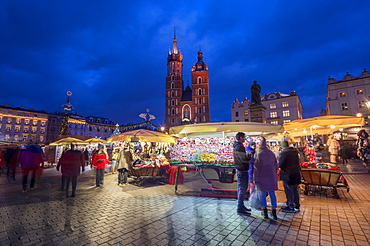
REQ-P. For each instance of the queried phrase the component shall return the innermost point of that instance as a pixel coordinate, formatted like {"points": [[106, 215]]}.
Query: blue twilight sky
{"points": [[112, 54]]}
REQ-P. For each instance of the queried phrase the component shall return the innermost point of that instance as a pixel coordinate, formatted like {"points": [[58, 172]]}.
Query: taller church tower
{"points": [[189, 105]]}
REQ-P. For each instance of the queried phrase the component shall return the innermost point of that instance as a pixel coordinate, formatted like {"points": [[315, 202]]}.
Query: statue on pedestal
{"points": [[255, 93]]}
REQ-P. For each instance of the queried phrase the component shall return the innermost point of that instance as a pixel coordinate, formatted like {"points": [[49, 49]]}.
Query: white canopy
{"points": [[225, 129]]}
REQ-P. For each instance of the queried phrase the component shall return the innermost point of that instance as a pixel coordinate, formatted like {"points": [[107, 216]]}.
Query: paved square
{"points": [[153, 214]]}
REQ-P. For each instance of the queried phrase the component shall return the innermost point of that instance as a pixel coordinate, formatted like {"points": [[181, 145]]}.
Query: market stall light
{"points": [[315, 126], [340, 129], [358, 115], [304, 131], [332, 126]]}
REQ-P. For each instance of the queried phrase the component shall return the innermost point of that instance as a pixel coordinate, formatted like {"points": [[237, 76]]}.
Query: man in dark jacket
{"points": [[71, 163], [241, 163], [290, 173]]}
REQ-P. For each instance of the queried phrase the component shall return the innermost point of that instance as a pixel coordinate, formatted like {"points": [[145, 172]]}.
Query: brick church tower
{"points": [[189, 105]]}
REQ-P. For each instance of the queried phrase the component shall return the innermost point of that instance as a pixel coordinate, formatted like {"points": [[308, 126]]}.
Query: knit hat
{"points": [[284, 144]]}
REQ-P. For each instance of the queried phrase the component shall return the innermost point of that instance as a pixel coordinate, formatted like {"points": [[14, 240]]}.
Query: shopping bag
{"points": [[255, 200], [39, 173]]}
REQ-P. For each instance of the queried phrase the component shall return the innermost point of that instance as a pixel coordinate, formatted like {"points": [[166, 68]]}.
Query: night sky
{"points": [[112, 54]]}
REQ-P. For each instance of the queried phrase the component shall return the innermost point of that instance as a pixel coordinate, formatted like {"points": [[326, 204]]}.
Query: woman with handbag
{"points": [[100, 161], [265, 176]]}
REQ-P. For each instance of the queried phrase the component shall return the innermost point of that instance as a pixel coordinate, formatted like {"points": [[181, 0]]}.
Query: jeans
{"points": [[272, 199], [242, 178], [122, 175], [99, 176], [25, 173], [74, 183], [292, 197]]}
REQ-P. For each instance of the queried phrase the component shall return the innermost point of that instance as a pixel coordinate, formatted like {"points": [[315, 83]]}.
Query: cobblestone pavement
{"points": [[153, 214]]}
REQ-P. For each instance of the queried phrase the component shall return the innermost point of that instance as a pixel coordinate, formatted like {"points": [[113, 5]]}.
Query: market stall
{"points": [[208, 146], [55, 149], [149, 150]]}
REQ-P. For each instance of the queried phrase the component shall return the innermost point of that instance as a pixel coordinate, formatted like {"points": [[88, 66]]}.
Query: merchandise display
{"points": [[216, 151], [320, 165]]}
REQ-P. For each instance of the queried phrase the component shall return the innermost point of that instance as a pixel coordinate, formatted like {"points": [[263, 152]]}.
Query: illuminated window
{"points": [[7, 137], [285, 104], [236, 114], [9, 120], [25, 129], [361, 104], [18, 120], [25, 137], [16, 137], [8, 128], [286, 113], [42, 130], [275, 122], [344, 106], [359, 91], [273, 114], [17, 128], [34, 122], [1, 118], [342, 94], [41, 138], [34, 129], [26, 121], [43, 123], [246, 112], [199, 80], [286, 121], [273, 105], [199, 92]]}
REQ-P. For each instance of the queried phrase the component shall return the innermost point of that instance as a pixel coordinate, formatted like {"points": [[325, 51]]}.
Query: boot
{"points": [[273, 213], [74, 193], [265, 213]]}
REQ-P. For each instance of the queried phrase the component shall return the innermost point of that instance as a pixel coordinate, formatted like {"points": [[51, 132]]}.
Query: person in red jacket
{"points": [[71, 163], [100, 160], [31, 159]]}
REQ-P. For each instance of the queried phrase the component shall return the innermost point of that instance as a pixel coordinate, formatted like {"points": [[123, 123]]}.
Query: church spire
{"points": [[175, 50]]}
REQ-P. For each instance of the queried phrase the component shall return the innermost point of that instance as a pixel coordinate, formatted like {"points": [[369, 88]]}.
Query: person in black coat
{"points": [[290, 173], [241, 164]]}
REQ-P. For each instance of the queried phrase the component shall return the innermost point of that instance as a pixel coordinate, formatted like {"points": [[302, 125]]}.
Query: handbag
{"points": [[255, 200]]}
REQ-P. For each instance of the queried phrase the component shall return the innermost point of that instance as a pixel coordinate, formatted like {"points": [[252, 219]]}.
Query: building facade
{"points": [[349, 96], [20, 125], [189, 105], [280, 108]]}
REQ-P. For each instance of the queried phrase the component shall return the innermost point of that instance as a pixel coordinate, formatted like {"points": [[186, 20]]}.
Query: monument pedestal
{"points": [[258, 113]]}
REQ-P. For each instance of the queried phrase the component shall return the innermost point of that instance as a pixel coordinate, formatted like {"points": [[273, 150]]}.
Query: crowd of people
{"points": [[259, 167]]}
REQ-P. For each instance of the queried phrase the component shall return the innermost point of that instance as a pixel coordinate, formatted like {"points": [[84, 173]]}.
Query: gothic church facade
{"points": [[186, 105]]}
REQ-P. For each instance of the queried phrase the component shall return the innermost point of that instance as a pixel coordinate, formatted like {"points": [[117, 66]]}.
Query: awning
{"points": [[143, 135], [225, 128], [322, 125]]}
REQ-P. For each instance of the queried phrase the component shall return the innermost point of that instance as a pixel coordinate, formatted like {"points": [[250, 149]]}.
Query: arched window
{"points": [[199, 91], [172, 102], [173, 111], [172, 94], [172, 78], [199, 80], [186, 110], [172, 85]]}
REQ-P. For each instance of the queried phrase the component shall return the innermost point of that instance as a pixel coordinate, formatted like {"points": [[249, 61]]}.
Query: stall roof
{"points": [[143, 135], [226, 128], [322, 124]]}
